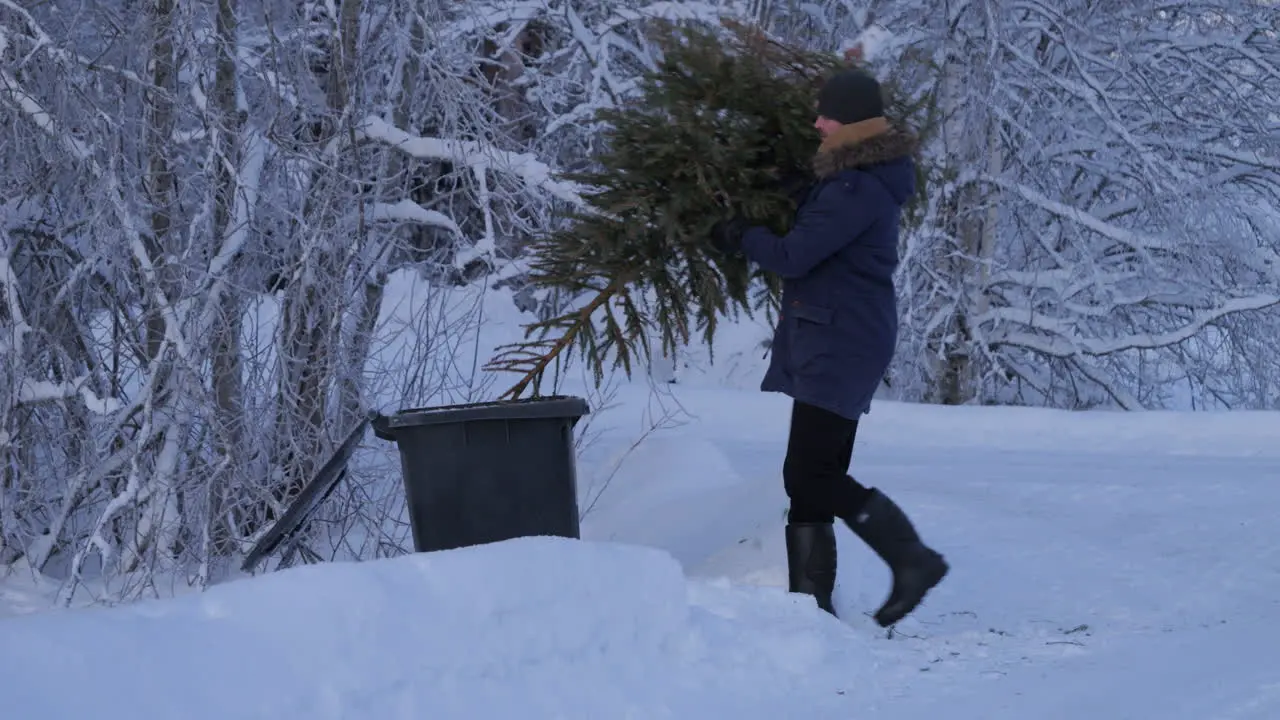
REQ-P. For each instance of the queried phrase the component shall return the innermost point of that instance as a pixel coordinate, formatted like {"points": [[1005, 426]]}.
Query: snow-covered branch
{"points": [[129, 224], [1056, 337], [406, 210], [1133, 239], [33, 392], [533, 172], [29, 106]]}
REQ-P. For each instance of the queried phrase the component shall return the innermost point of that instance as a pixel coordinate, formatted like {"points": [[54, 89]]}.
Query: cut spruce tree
{"points": [[720, 134]]}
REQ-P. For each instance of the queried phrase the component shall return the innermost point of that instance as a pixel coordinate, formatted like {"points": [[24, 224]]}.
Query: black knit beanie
{"points": [[850, 96]]}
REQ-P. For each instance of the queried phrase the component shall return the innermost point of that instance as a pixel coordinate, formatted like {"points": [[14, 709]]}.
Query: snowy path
{"points": [[1076, 574], [1229, 671]]}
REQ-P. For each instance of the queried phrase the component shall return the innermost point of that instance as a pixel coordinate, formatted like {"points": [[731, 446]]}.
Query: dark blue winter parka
{"points": [[839, 319]]}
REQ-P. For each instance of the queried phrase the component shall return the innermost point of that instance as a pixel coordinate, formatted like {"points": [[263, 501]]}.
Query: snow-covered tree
{"points": [[204, 203], [1110, 232]]}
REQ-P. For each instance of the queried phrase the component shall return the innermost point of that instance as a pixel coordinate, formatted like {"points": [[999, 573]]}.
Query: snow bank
{"points": [[533, 628]]}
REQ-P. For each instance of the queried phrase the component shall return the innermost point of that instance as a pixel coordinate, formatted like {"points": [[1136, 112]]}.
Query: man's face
{"points": [[825, 125]]}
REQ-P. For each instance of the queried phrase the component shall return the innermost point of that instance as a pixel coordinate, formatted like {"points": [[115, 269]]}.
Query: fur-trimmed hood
{"points": [[861, 144], [876, 146]]}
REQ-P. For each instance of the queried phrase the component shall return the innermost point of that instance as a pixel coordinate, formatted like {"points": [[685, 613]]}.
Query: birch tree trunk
{"points": [[158, 497]]}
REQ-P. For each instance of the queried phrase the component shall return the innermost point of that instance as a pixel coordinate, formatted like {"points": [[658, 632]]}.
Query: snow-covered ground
{"points": [[1107, 566]]}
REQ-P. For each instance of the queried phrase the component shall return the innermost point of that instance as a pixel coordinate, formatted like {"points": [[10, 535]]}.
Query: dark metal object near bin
{"points": [[487, 472], [312, 496]]}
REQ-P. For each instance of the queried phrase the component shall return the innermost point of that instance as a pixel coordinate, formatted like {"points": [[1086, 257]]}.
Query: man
{"points": [[835, 337]]}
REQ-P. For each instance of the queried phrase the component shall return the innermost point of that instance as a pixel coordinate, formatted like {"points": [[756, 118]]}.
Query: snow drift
{"points": [[531, 628]]}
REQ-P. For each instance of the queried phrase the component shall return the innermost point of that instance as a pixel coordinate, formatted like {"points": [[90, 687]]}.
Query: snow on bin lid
{"points": [[540, 408]]}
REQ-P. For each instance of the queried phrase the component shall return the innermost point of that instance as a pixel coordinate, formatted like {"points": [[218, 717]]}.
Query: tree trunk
{"points": [[311, 313], [971, 140], [225, 126]]}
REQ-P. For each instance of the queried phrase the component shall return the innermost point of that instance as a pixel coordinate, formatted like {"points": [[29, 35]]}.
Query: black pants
{"points": [[816, 471]]}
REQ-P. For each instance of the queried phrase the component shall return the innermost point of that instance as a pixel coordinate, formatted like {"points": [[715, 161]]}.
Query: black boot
{"points": [[811, 561], [916, 569]]}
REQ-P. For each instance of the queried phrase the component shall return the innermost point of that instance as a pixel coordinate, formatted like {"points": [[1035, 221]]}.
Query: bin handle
{"points": [[381, 426]]}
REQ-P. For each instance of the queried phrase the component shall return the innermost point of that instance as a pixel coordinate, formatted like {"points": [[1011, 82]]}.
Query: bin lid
{"points": [[540, 408]]}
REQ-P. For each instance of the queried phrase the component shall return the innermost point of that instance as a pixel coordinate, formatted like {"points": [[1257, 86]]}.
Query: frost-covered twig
{"points": [[663, 412]]}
